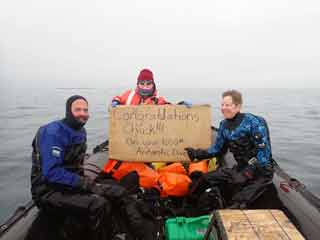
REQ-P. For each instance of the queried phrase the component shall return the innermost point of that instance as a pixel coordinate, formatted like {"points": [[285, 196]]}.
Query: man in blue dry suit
{"points": [[58, 185], [247, 137]]}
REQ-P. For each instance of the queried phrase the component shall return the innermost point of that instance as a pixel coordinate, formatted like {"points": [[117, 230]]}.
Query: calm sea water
{"points": [[293, 116]]}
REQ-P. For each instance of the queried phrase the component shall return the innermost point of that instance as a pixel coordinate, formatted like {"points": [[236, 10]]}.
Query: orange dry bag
{"points": [[148, 177]]}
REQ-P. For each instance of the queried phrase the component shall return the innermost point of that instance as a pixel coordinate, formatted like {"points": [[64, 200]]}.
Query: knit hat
{"points": [[145, 74]]}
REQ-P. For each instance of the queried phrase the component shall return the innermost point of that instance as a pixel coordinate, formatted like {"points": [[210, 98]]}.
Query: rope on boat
{"points": [[18, 214]]}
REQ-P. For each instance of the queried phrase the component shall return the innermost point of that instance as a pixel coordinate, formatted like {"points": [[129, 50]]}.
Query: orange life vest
{"points": [[201, 166], [173, 168], [174, 179], [131, 97], [173, 184], [148, 177]]}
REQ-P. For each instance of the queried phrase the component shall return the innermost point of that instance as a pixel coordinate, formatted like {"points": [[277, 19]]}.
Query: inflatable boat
{"points": [[285, 193]]}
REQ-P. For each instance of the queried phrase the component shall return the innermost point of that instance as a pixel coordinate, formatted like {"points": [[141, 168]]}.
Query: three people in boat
{"points": [[59, 187], [247, 137]]}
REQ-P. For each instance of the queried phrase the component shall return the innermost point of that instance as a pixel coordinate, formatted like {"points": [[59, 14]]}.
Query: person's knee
{"points": [[99, 204]]}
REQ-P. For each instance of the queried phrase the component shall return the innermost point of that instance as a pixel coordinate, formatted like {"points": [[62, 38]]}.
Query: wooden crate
{"points": [[256, 225]]}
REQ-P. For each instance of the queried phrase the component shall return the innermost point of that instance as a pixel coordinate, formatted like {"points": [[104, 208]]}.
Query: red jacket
{"points": [[131, 97]]}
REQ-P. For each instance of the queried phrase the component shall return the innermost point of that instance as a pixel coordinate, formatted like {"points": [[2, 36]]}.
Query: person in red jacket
{"points": [[164, 180], [145, 92]]}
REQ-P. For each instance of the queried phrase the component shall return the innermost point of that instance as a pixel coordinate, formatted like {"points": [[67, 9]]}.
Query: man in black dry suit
{"points": [[247, 137], [62, 192]]}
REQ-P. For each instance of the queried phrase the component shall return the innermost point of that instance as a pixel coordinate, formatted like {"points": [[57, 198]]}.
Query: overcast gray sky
{"points": [[227, 44]]}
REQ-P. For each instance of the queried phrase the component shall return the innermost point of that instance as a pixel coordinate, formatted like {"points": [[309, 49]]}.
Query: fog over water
{"points": [[50, 50]]}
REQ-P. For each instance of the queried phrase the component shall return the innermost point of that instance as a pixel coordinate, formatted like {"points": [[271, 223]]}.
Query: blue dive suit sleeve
{"points": [[220, 140], [260, 136], [52, 154]]}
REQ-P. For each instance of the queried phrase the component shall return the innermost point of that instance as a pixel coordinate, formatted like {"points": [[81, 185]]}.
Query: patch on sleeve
{"points": [[56, 151]]}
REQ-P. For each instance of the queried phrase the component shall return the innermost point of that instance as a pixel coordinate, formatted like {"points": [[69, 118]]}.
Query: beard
{"points": [[82, 119]]}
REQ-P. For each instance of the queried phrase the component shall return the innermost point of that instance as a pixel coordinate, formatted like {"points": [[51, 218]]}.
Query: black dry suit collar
{"points": [[69, 119], [234, 122]]}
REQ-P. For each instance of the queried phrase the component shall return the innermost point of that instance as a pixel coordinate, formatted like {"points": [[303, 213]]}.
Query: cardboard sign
{"points": [[158, 133]]}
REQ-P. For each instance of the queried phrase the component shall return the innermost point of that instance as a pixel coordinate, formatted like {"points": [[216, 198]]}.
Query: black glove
{"points": [[88, 185], [115, 103], [130, 182], [112, 190], [198, 154], [185, 103]]}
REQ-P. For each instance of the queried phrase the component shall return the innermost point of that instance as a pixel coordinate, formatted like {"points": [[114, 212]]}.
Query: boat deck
{"points": [[255, 225]]}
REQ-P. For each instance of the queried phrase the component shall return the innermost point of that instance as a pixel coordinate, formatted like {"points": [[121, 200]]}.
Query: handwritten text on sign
{"points": [[153, 133]]}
